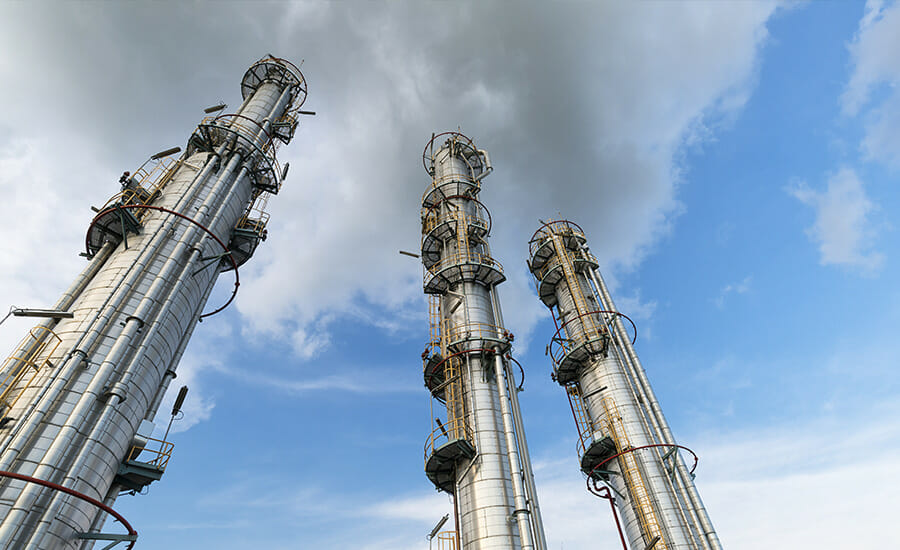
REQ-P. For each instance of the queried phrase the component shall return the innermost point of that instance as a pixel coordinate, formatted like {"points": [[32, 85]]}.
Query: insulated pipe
{"points": [[62, 441], [125, 379], [540, 538], [110, 499], [709, 532], [42, 404], [31, 343], [169, 375], [521, 512], [143, 311], [651, 424]]}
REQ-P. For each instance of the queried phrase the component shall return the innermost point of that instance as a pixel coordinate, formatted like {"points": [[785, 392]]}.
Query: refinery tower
{"points": [[80, 392], [625, 445], [477, 452]]}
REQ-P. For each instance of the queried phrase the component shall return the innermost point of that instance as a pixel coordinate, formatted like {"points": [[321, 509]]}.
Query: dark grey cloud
{"points": [[584, 108]]}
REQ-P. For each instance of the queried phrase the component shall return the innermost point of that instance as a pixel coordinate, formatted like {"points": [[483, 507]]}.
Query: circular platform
{"points": [[552, 273], [440, 465], [575, 357], [277, 70], [598, 452], [456, 269], [464, 148]]}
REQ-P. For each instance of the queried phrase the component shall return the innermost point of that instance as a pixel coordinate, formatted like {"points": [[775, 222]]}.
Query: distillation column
{"points": [[79, 395], [478, 453], [624, 439]]}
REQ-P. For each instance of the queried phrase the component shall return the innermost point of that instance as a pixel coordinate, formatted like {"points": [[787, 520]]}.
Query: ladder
{"points": [[634, 479]]}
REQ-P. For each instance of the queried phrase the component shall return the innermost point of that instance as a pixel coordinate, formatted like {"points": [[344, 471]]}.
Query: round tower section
{"points": [[78, 419], [621, 440], [476, 452]]}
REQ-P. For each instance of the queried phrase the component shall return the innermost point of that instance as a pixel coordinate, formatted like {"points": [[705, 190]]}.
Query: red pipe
{"points": [[76, 494], [237, 279], [608, 496]]}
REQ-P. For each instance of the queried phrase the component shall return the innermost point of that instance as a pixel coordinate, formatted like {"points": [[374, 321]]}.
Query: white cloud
{"points": [[842, 228], [737, 288], [583, 107], [766, 487], [873, 85]]}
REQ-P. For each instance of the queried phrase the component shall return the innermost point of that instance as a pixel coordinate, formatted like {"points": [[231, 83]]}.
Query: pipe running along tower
{"points": [[478, 453], [79, 394], [625, 445]]}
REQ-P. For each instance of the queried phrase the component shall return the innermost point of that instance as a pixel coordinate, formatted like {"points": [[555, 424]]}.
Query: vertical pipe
{"points": [[521, 511], [709, 533], [540, 538], [62, 433]]}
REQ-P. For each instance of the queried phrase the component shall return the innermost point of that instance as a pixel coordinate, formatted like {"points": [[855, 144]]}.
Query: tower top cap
{"points": [[278, 70]]}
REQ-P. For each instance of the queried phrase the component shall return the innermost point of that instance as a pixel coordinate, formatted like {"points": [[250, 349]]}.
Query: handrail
{"points": [[432, 218], [477, 331], [560, 346], [463, 258], [160, 456], [56, 487], [16, 367], [425, 156], [446, 540], [556, 261], [561, 227], [445, 433], [227, 252]]}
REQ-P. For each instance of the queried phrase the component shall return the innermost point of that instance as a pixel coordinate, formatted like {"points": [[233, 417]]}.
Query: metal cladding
{"points": [[79, 395], [624, 439], [478, 452]]}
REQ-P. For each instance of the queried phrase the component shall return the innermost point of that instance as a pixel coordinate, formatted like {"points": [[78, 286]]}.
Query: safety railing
{"points": [[281, 71], [634, 478], [447, 433], [40, 344], [455, 334], [144, 185], [461, 146], [434, 323], [284, 127], [256, 218], [444, 211], [463, 258], [264, 167], [582, 420], [446, 540], [563, 228], [573, 257], [587, 332], [155, 452]]}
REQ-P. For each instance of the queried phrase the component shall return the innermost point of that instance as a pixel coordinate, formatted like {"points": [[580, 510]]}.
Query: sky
{"points": [[734, 167]]}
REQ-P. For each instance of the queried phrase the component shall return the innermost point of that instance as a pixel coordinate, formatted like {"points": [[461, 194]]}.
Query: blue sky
{"points": [[734, 166]]}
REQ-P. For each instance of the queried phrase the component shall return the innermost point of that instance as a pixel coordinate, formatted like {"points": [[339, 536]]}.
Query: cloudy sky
{"points": [[734, 167]]}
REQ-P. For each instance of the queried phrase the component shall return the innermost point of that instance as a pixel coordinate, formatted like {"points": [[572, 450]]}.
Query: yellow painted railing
{"points": [[150, 179], [156, 453], [634, 478], [40, 345], [582, 419], [446, 540]]}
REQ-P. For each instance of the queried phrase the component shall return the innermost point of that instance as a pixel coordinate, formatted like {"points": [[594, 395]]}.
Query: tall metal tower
{"points": [[478, 453], [624, 439], [79, 394]]}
